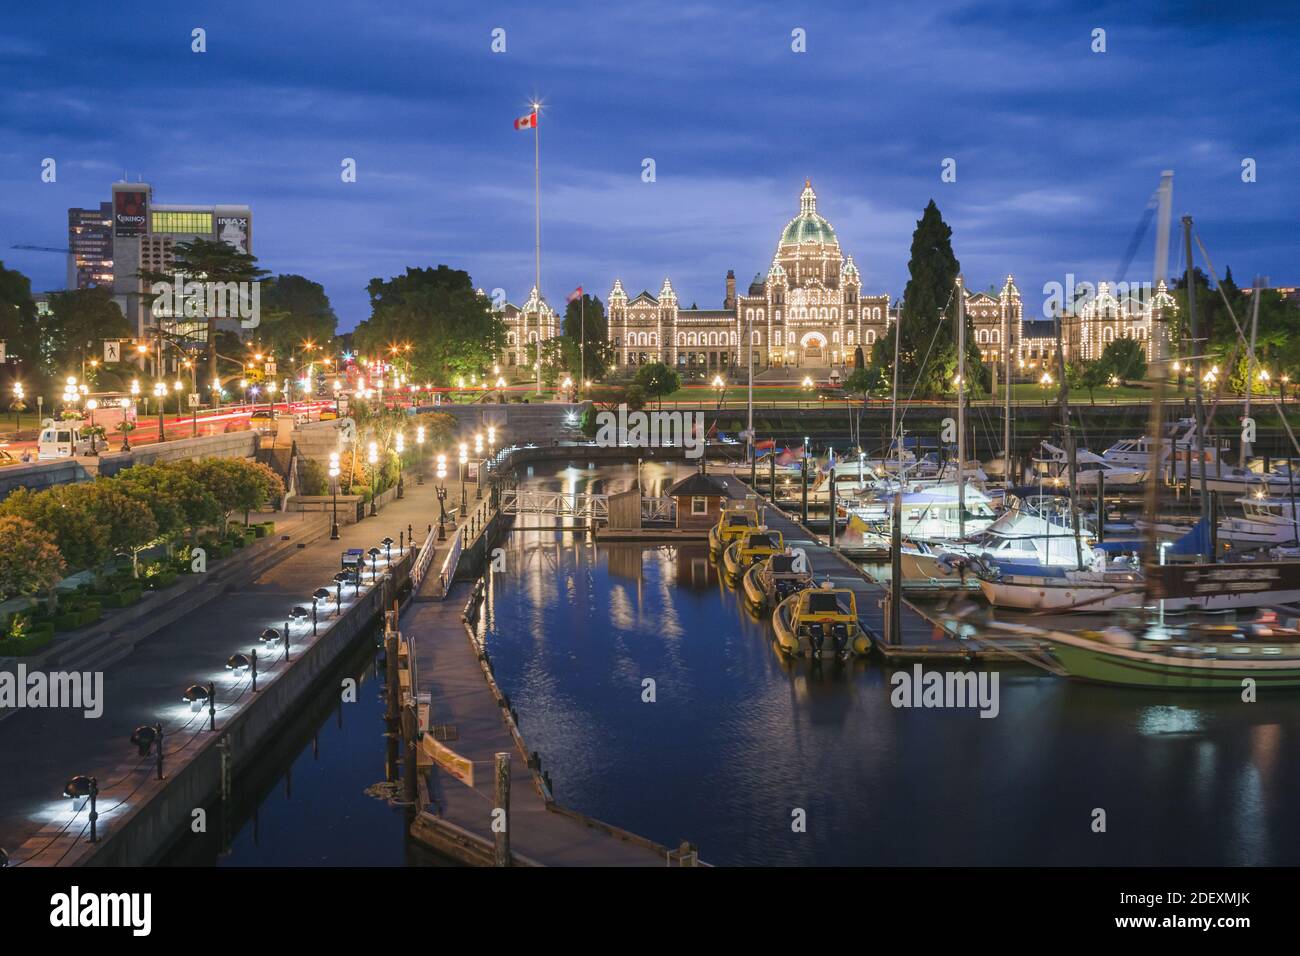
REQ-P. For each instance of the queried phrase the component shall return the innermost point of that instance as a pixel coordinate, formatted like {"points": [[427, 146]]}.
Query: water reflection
{"points": [[738, 738]]}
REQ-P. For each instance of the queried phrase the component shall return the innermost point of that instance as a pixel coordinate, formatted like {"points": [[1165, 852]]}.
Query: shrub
{"points": [[313, 478]]}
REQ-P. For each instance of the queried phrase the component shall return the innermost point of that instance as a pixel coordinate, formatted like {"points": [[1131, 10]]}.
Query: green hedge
{"points": [[34, 640], [161, 578], [123, 597], [70, 620]]}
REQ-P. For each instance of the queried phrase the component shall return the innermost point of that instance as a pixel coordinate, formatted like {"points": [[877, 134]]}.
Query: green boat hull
{"points": [[1102, 665]]}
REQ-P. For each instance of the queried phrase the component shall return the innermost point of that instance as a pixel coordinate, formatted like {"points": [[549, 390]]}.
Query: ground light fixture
{"points": [[320, 594], [196, 695], [388, 549], [238, 664], [339, 578], [374, 563], [81, 789], [270, 637], [146, 738]]}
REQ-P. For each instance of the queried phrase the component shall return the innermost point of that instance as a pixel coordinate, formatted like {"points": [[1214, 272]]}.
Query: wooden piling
{"points": [[501, 829]]}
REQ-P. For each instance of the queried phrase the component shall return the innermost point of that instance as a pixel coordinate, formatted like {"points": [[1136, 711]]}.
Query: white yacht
{"points": [[1090, 468], [1265, 521], [929, 514]]}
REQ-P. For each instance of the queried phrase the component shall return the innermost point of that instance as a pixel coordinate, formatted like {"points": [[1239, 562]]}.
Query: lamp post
{"points": [[372, 459], [160, 393], [721, 388], [91, 405], [320, 594], [464, 464], [419, 443], [478, 456], [334, 484], [126, 424], [18, 404], [441, 475], [400, 444]]}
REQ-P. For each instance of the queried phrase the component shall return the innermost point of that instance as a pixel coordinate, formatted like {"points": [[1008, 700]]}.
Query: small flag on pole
{"points": [[527, 122], [574, 296]]}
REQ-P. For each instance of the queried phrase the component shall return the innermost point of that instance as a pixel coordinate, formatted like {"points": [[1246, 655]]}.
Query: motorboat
{"points": [[744, 551], [804, 623], [928, 514], [770, 581], [731, 524]]}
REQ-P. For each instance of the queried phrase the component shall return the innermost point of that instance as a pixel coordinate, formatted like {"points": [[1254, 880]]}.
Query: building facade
{"points": [[145, 235], [810, 312], [90, 245]]}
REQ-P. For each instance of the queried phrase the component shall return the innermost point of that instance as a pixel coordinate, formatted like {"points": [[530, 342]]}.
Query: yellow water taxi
{"points": [[744, 551], [733, 523], [769, 582], [806, 620]]}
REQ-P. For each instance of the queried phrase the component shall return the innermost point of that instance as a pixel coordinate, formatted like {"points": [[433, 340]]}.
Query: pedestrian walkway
{"points": [[41, 749]]}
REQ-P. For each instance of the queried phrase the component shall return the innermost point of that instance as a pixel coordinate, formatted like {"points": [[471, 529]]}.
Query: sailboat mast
{"points": [[1072, 462], [1250, 361], [1196, 346], [961, 411], [1006, 388]]}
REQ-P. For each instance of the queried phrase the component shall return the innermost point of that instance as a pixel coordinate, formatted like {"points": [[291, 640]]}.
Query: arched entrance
{"points": [[812, 348]]}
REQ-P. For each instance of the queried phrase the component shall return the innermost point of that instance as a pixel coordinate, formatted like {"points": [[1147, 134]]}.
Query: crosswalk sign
{"points": [[112, 350]]}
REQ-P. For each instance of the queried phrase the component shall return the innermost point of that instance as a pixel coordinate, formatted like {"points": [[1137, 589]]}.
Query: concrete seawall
{"points": [[157, 811]]}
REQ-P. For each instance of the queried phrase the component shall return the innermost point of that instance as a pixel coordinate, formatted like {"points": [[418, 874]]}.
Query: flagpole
{"points": [[537, 220], [582, 341]]}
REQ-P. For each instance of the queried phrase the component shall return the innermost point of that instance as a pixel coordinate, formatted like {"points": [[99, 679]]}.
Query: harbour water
{"points": [[737, 740]]}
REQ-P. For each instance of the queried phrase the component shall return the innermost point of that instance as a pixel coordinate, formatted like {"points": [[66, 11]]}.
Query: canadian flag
{"points": [[527, 122], [574, 296]]}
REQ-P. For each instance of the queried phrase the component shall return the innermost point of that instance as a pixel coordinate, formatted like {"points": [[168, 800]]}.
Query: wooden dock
{"points": [[466, 721]]}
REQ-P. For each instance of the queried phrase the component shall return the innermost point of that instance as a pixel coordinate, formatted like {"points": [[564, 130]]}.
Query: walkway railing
{"points": [[579, 505]]}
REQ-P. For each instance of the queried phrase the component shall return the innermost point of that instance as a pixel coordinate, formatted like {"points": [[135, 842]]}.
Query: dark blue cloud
{"points": [[1057, 148]]}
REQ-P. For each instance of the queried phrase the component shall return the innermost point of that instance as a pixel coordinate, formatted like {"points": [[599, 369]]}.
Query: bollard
{"points": [[212, 706], [158, 729], [252, 663], [501, 829]]}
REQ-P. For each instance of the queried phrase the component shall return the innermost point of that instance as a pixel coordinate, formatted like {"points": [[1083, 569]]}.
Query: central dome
{"points": [[808, 226]]}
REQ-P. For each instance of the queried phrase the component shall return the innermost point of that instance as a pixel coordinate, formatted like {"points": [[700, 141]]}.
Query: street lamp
{"points": [[372, 459], [464, 464], [419, 442], [400, 444], [441, 475], [334, 484], [160, 393], [91, 405], [18, 405], [721, 387]]}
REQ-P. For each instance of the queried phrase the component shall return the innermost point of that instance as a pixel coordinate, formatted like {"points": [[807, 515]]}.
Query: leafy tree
{"points": [[30, 561], [439, 427], [1091, 376], [449, 325], [128, 521], [209, 260], [1125, 359], [179, 503], [586, 314], [67, 517], [294, 310], [864, 381], [79, 319], [21, 330], [657, 380]]}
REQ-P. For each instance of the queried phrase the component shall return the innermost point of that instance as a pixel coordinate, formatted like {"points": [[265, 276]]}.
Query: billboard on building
{"points": [[130, 212], [233, 230]]}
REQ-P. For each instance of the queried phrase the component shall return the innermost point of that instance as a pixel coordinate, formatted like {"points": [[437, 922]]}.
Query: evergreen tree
{"points": [[927, 350]]}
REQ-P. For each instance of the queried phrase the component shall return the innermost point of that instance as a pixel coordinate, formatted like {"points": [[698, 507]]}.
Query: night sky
{"points": [[1058, 148]]}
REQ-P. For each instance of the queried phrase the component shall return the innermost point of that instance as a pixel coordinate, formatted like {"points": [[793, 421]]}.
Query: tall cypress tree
{"points": [[933, 271]]}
